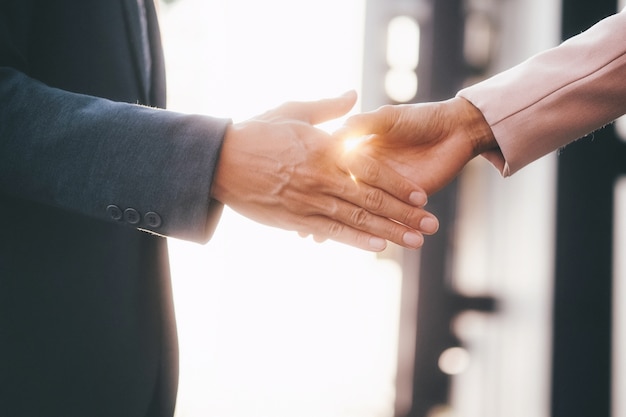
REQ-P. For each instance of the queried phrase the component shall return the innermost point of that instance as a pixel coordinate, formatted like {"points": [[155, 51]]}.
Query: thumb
{"points": [[365, 124], [319, 111]]}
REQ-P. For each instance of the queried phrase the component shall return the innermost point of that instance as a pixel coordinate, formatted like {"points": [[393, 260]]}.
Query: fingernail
{"points": [[412, 239], [429, 225], [418, 198], [377, 243]]}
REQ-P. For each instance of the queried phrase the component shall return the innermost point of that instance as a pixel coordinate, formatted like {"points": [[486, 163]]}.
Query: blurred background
{"points": [[513, 309]]}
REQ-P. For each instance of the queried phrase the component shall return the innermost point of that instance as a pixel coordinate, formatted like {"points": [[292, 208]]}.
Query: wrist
{"points": [[475, 128], [219, 189]]}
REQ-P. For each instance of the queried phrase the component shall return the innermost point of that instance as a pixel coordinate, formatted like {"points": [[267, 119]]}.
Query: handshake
{"points": [[364, 185]]}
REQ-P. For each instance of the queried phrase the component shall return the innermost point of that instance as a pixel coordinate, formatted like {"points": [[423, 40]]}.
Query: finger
{"points": [[316, 112], [366, 169], [375, 122], [359, 218], [387, 214], [323, 228], [321, 239], [317, 238], [373, 202]]}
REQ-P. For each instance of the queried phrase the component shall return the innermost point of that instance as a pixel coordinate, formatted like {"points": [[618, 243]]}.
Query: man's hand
{"points": [[279, 170], [428, 143]]}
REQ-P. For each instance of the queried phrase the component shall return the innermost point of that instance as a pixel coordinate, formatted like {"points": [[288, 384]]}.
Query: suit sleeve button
{"points": [[132, 216], [114, 212], [153, 220]]}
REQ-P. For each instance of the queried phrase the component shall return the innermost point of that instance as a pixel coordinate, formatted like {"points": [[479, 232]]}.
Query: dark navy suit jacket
{"points": [[90, 181]]}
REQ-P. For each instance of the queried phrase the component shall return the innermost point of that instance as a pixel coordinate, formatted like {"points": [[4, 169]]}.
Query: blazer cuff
{"points": [[556, 96]]}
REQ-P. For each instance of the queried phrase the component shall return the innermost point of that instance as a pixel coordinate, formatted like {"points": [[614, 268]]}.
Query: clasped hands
{"points": [[280, 170]]}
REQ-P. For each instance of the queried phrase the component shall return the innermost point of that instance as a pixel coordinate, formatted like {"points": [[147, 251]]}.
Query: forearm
{"points": [[557, 96], [84, 154]]}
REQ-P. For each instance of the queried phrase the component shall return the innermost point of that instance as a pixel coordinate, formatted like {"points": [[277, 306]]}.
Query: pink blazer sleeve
{"points": [[555, 97]]}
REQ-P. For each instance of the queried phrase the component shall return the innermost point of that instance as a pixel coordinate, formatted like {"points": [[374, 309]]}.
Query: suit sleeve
{"points": [[556, 96], [123, 163]]}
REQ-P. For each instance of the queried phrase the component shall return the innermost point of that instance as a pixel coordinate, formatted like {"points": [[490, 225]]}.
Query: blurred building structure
{"points": [[513, 308]]}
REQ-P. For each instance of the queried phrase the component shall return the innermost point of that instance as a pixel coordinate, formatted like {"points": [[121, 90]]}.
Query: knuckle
{"points": [[386, 110], [389, 112], [370, 170], [394, 232], [359, 217], [332, 209], [334, 230], [374, 200], [410, 217]]}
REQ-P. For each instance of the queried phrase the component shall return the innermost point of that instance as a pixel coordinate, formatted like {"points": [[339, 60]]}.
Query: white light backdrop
{"points": [[271, 324]]}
